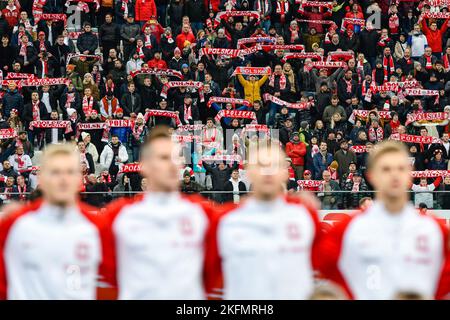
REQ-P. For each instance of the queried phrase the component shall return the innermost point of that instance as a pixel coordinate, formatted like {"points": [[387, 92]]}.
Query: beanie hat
{"points": [[84, 135]]}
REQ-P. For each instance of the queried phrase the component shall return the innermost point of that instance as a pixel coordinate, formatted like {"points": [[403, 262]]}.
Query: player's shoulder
{"points": [[10, 216], [121, 205], [212, 209]]}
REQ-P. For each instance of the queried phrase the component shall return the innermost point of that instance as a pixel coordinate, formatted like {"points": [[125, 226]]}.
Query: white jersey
{"points": [[266, 250], [52, 254], [377, 255], [160, 246]]}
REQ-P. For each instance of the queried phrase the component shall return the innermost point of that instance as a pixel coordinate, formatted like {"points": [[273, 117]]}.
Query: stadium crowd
{"points": [[328, 79]]}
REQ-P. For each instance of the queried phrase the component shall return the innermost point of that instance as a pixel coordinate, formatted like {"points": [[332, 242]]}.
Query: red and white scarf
{"points": [[429, 64], [140, 52], [233, 101], [196, 85], [137, 131], [278, 101], [70, 99], [349, 85], [88, 105], [187, 113], [254, 71], [124, 7], [282, 9], [162, 113], [376, 134], [409, 138], [36, 111], [282, 81], [8, 133], [235, 114], [148, 41], [50, 124], [388, 63]]}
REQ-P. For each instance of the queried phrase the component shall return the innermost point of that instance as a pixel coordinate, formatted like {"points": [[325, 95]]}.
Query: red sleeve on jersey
{"points": [[315, 253], [443, 287], [212, 267], [5, 225], [107, 269], [330, 250]]}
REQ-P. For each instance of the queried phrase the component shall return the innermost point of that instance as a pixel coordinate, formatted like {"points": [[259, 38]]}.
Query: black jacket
{"points": [[109, 32], [195, 9], [228, 197], [28, 113], [128, 106], [87, 41], [367, 41]]}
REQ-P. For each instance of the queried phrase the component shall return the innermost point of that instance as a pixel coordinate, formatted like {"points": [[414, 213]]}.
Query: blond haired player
{"points": [[54, 248], [162, 239], [267, 244], [389, 248]]}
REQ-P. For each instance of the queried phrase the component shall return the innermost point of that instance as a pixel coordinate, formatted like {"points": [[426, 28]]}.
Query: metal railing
{"points": [[338, 199]]}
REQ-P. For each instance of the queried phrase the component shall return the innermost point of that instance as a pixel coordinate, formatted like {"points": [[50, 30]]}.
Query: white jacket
{"points": [[107, 155], [90, 148]]}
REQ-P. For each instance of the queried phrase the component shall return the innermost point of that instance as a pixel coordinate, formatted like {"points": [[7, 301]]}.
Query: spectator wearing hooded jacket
{"points": [[296, 150]]}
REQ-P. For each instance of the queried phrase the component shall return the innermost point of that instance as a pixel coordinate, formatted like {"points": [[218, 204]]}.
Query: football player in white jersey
{"points": [[267, 244], [54, 248], [163, 238], [388, 249]]}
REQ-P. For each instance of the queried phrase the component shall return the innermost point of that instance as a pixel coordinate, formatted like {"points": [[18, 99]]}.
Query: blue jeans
{"points": [[273, 109]]}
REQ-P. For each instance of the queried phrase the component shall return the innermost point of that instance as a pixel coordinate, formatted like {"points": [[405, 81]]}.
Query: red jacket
{"points": [[297, 152], [182, 37], [212, 5], [12, 17], [434, 38], [154, 63], [145, 9]]}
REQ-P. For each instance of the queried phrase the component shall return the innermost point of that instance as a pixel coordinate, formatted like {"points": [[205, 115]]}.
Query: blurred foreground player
{"points": [[54, 248], [268, 243], [161, 238], [389, 248]]}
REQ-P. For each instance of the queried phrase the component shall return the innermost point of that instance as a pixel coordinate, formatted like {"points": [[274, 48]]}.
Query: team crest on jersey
{"points": [[293, 232], [82, 251], [422, 243], [186, 226]]}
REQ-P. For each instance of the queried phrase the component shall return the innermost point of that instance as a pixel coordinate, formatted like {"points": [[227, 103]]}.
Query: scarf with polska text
{"points": [[235, 114], [194, 85], [233, 101], [278, 101], [254, 71], [162, 113]]}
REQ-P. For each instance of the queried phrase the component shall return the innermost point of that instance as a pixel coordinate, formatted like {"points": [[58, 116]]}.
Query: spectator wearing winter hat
{"points": [[90, 147], [329, 198], [357, 190], [129, 33], [137, 136], [121, 132], [177, 61], [296, 150]]}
